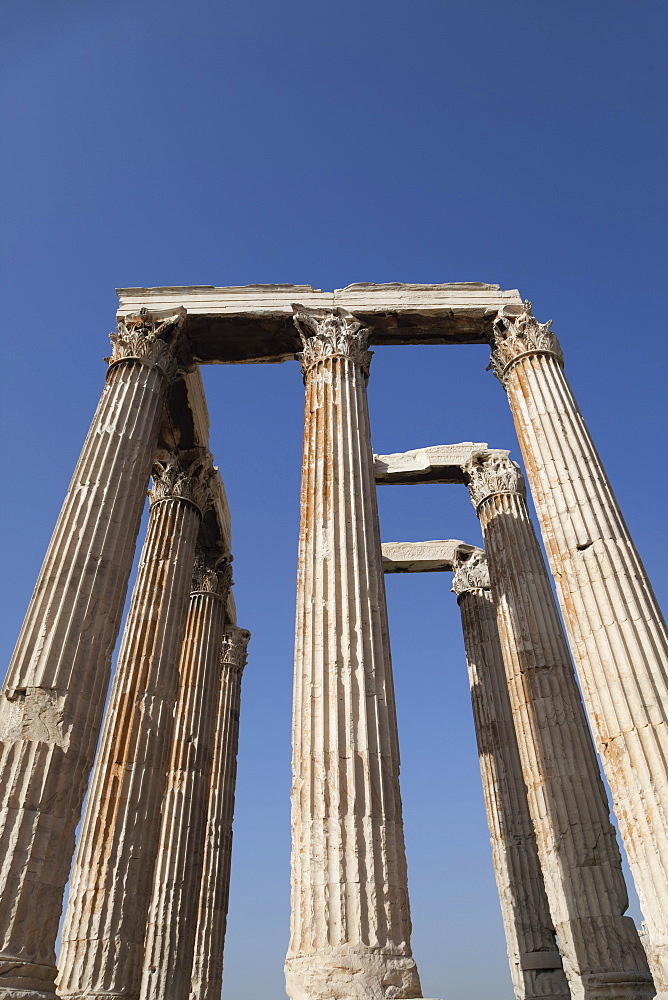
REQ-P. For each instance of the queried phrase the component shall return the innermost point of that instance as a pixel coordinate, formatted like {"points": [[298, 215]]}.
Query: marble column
{"points": [[172, 915], [350, 928], [535, 962], [103, 936], [618, 635], [53, 697], [207, 966], [581, 864]]}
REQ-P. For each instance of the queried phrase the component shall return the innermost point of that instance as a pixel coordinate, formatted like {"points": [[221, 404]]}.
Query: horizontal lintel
{"points": [[441, 463], [436, 556], [253, 323]]}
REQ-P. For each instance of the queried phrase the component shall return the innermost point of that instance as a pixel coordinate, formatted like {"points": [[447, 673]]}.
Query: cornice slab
{"points": [[253, 323], [436, 556], [441, 463]]}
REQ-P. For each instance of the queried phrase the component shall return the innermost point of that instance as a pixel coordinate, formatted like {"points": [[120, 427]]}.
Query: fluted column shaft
{"points": [[207, 965], [578, 851], [535, 963], [172, 915], [103, 935], [350, 929], [52, 701], [618, 635]]}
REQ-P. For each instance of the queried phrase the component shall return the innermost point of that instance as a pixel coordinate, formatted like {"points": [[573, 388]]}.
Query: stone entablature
{"points": [[254, 323], [435, 556], [441, 463]]}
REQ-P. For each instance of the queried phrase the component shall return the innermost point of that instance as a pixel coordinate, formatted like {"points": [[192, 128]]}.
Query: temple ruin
{"points": [[147, 907]]}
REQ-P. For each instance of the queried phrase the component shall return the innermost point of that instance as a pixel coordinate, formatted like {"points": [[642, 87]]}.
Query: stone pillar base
{"points": [[19, 981], [334, 974], [552, 995], [14, 993], [619, 986], [94, 995]]}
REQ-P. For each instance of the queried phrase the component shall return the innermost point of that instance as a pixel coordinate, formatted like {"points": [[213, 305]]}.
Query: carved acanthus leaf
{"points": [[212, 576], [471, 571], [154, 340], [520, 336], [234, 648], [182, 479], [331, 333], [492, 471]]}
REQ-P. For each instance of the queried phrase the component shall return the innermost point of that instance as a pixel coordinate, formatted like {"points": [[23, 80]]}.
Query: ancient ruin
{"points": [[147, 907]]}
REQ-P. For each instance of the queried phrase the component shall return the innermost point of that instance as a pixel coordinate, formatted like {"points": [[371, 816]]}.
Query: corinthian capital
{"points": [[233, 651], [491, 472], [471, 572], [151, 338], [182, 478], [333, 333], [212, 576], [516, 338]]}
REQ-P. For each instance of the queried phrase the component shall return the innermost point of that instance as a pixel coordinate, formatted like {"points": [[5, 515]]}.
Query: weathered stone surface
{"points": [[207, 967], [350, 926], [103, 935], [535, 962], [53, 697], [578, 851], [254, 323], [441, 463], [173, 912], [50, 708], [420, 557], [618, 635]]}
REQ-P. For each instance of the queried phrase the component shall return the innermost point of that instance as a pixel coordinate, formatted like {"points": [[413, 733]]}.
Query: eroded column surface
{"points": [[581, 864], [535, 962], [53, 697], [172, 915], [350, 929], [103, 936], [618, 635], [207, 965]]}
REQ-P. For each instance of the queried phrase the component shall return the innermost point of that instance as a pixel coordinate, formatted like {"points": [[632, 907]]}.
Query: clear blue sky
{"points": [[171, 143]]}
